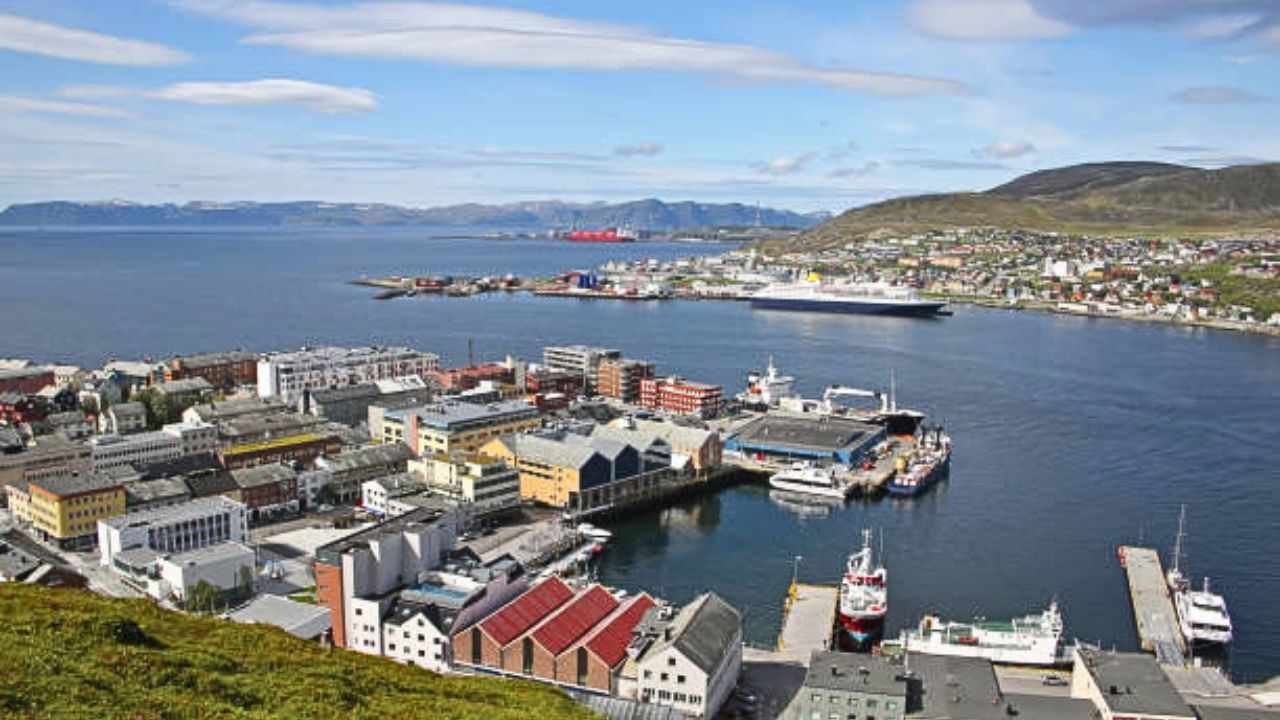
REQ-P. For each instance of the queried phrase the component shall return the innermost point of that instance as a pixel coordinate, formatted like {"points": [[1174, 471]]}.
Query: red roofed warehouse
{"points": [[594, 660], [486, 645]]}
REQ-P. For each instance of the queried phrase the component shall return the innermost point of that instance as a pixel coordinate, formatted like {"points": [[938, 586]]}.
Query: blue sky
{"points": [[819, 105]]}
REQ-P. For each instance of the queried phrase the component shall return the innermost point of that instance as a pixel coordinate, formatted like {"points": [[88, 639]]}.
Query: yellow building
{"points": [[448, 426], [66, 509], [558, 472]]}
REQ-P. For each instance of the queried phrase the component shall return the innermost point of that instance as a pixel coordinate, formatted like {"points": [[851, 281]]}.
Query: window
{"points": [[871, 704], [582, 666], [475, 646], [853, 702], [671, 662], [422, 653], [392, 647], [665, 677], [648, 674], [527, 659], [890, 705], [817, 698], [679, 679], [359, 611]]}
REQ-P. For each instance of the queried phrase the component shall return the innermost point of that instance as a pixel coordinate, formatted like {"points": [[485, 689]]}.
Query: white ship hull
{"points": [[807, 488], [1043, 654]]}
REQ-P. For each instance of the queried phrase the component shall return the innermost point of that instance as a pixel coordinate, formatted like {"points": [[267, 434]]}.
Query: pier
{"points": [[1153, 610], [808, 619]]}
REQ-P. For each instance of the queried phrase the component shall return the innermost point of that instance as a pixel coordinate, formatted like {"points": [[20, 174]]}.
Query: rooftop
{"points": [[854, 673], [373, 455], [336, 354], [25, 372], [550, 451], [302, 620], [203, 360], [361, 391], [260, 475], [452, 414], [610, 639], [148, 491], [200, 507], [573, 620], [274, 443], [227, 409], [517, 616], [128, 409], [211, 554], [183, 387], [825, 433], [422, 517], [702, 631], [1132, 683], [14, 562], [66, 485], [267, 424]]}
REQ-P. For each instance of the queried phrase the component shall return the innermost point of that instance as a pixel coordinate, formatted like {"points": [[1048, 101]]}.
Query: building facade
{"points": [[620, 378], [170, 443], [294, 449], [690, 659], [446, 426], [287, 375], [25, 380], [174, 529], [850, 685], [350, 470], [581, 360], [485, 484], [682, 397], [65, 510], [222, 370]]}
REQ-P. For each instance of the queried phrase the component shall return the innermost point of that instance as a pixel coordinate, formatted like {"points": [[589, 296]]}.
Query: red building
{"points": [[17, 408], [28, 381], [223, 370], [545, 381], [467, 378], [492, 643], [684, 397]]}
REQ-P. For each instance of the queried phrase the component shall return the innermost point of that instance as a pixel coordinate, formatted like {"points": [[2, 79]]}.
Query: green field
{"points": [[70, 654]]}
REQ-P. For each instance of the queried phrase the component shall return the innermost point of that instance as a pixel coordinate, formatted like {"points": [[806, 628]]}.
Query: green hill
{"points": [[1101, 198], [70, 654]]}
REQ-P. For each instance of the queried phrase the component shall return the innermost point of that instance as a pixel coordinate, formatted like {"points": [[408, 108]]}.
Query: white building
{"points": [[175, 528], [123, 419], [581, 360], [482, 482], [170, 443], [689, 660], [381, 496], [286, 375], [225, 566]]}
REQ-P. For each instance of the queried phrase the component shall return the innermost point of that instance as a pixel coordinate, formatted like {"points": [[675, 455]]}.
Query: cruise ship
{"points": [[861, 298], [1202, 614], [1030, 640]]}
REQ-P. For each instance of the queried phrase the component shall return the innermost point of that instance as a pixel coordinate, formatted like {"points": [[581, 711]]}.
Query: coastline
{"points": [[1053, 308]]}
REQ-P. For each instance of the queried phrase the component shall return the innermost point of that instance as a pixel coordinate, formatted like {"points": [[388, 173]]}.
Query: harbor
{"points": [[1153, 611]]}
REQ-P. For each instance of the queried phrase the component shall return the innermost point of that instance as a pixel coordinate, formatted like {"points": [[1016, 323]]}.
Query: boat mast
{"points": [[1177, 543]]}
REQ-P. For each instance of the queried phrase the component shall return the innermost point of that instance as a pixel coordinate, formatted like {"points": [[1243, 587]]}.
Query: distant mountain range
{"points": [[641, 214], [1103, 198]]}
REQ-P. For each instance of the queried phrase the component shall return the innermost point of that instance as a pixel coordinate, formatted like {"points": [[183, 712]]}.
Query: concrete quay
{"points": [[1153, 610]]}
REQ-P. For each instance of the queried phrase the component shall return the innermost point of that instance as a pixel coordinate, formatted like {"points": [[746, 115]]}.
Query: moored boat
{"points": [[1029, 640], [928, 463], [864, 595], [810, 479]]}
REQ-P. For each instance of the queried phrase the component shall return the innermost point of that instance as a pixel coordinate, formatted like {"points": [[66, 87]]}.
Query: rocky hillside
{"points": [[1105, 198]]}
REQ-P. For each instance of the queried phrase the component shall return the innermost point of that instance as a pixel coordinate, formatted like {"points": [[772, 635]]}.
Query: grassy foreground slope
{"points": [[72, 654]]}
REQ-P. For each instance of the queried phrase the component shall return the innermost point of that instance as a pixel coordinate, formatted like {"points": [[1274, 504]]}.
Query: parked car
{"points": [[1054, 680]]}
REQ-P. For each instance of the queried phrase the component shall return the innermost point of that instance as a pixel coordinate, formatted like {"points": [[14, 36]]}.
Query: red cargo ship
{"points": [[608, 235]]}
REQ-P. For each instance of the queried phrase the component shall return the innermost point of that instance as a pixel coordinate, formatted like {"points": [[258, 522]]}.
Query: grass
{"points": [[72, 654]]}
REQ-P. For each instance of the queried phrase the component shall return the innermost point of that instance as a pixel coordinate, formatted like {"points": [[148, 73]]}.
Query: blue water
{"points": [[1072, 435]]}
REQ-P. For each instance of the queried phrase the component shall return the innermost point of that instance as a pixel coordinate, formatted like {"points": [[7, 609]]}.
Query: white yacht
{"points": [[810, 479], [1202, 614]]}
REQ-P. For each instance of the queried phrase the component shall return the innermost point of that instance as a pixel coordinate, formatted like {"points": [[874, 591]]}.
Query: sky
{"points": [[818, 105]]}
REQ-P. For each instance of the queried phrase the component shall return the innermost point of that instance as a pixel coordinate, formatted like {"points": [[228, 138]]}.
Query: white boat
{"points": [[767, 390], [810, 479], [1029, 640], [1202, 615], [593, 532]]}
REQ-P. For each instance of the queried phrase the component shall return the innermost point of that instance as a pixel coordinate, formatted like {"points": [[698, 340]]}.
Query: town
{"points": [[372, 500]]}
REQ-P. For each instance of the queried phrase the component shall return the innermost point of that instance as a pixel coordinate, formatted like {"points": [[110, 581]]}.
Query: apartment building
{"points": [[48, 456], [66, 509], [350, 470], [300, 449], [287, 375], [683, 397], [620, 378], [581, 360], [449, 425], [169, 443], [486, 484], [223, 370]]}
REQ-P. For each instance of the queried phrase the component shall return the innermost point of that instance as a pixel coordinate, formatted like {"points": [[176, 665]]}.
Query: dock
{"points": [[808, 619], [1153, 610]]}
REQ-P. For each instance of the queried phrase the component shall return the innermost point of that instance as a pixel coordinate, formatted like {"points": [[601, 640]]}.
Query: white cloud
{"points": [[854, 172], [1005, 149], [1221, 26], [10, 103], [269, 91], [638, 150], [784, 165], [1216, 95], [500, 37], [40, 38], [983, 20]]}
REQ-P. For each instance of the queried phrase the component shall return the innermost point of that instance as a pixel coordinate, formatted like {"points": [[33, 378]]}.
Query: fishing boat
{"points": [[864, 595]]}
